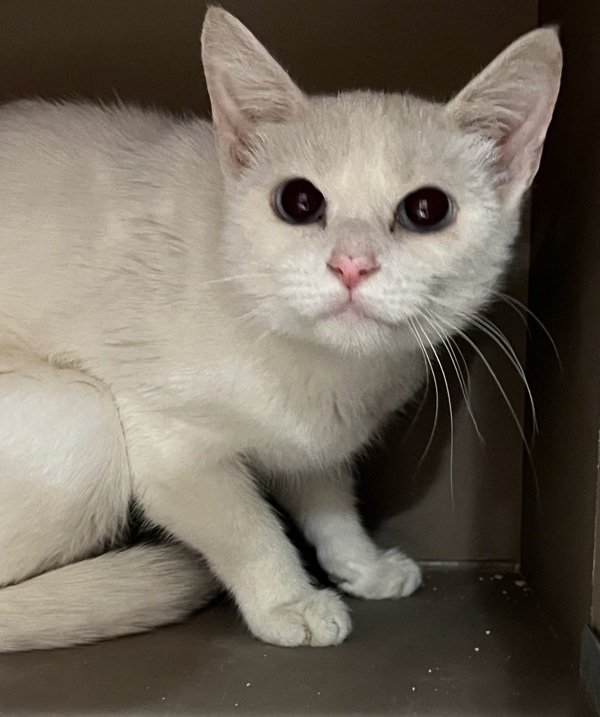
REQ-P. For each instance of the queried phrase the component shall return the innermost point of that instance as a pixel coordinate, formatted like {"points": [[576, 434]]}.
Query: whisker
{"points": [[460, 354], [435, 383], [520, 308], [451, 414], [250, 314], [504, 395], [225, 279], [423, 400], [453, 358], [497, 336]]}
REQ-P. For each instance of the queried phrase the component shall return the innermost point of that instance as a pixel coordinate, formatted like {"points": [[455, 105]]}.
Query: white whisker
{"points": [[496, 335], [452, 354], [450, 412], [522, 310], [435, 383], [225, 279], [503, 393]]}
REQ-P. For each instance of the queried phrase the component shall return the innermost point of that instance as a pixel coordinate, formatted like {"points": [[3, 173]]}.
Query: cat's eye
{"points": [[298, 201], [427, 209]]}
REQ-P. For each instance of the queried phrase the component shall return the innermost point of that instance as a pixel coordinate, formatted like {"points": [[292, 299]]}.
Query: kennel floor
{"points": [[471, 642]]}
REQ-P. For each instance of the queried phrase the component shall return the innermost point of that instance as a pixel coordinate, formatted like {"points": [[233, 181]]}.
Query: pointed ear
{"points": [[511, 103], [246, 87]]}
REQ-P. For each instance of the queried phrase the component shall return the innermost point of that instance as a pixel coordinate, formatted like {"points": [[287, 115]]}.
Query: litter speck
{"points": [[488, 632], [481, 578], [247, 684], [430, 670], [414, 688], [476, 649], [497, 576], [520, 583]]}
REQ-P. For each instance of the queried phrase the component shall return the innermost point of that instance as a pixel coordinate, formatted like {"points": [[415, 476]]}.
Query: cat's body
{"points": [[165, 338], [150, 272]]}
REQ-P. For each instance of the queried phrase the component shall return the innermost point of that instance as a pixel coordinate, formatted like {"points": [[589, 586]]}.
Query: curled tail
{"points": [[117, 593]]}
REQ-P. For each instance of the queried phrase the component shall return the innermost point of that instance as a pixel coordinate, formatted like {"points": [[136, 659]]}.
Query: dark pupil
{"points": [[301, 200], [427, 207]]}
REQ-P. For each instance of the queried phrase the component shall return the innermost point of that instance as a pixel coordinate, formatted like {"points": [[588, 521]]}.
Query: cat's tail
{"points": [[118, 593]]}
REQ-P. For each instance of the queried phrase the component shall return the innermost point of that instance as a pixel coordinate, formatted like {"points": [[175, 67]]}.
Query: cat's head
{"points": [[366, 220]]}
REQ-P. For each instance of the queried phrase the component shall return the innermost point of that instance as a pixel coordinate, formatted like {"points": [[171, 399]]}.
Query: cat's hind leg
{"points": [[64, 497], [64, 481]]}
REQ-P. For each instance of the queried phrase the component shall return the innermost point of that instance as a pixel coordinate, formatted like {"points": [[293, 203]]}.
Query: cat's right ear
{"points": [[247, 88], [511, 103]]}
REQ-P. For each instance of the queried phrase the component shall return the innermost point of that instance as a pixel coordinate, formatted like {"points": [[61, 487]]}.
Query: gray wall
{"points": [[146, 50], [596, 563], [558, 524]]}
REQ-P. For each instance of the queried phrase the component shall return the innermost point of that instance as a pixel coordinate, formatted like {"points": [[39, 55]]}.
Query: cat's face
{"points": [[365, 221], [358, 273]]}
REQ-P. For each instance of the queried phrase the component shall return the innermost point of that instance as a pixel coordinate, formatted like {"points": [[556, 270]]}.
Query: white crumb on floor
{"points": [[488, 632], [247, 684], [476, 649]]}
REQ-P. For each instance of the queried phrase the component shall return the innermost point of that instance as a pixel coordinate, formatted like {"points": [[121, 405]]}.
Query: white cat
{"points": [[178, 319]]}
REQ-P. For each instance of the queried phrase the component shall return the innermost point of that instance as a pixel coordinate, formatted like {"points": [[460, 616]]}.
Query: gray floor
{"points": [[469, 643]]}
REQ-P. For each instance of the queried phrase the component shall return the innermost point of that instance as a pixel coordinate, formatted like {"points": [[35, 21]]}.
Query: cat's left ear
{"points": [[511, 102], [247, 87]]}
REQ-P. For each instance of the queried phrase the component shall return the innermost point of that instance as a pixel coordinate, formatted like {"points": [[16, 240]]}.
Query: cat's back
{"points": [[86, 191], [52, 150]]}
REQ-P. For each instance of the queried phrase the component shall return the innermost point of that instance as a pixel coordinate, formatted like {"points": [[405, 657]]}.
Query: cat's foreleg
{"points": [[219, 511], [323, 505]]}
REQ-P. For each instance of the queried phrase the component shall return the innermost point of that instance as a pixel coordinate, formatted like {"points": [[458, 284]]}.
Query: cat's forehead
{"points": [[366, 146]]}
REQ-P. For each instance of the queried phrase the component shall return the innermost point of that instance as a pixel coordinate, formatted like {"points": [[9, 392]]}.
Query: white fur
{"points": [[166, 338]]}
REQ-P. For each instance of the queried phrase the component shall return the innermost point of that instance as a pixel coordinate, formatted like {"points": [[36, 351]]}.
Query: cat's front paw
{"points": [[318, 620], [391, 575]]}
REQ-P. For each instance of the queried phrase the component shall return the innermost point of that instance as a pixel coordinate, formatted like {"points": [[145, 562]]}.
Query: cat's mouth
{"points": [[352, 311]]}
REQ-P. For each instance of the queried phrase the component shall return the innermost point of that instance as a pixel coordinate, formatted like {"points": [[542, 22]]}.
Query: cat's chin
{"points": [[353, 330]]}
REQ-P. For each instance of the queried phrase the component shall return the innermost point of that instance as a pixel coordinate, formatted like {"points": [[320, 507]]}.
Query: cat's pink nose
{"points": [[352, 270]]}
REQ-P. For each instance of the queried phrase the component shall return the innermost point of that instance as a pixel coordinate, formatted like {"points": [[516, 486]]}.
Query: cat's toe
{"points": [[392, 575], [318, 620]]}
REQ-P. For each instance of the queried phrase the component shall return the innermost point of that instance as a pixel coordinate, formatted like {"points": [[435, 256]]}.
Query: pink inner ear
{"points": [[246, 86], [521, 147], [516, 121], [511, 102]]}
